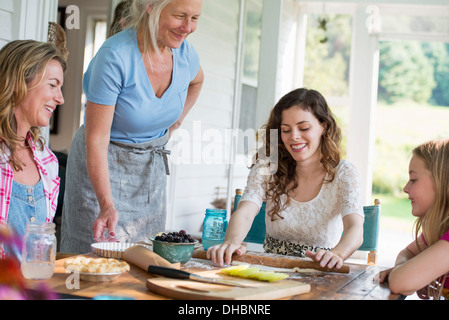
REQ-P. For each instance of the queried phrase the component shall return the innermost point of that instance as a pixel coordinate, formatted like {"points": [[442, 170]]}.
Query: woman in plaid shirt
{"points": [[31, 79]]}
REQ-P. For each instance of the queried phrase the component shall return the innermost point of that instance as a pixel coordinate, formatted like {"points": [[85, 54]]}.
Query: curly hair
{"points": [[21, 61], [311, 101]]}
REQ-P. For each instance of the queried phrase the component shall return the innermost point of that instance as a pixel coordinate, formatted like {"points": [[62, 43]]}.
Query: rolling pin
{"points": [[143, 258], [276, 260]]}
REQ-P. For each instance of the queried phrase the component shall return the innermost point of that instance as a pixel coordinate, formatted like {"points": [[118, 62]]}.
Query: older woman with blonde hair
{"points": [[31, 77], [139, 87]]}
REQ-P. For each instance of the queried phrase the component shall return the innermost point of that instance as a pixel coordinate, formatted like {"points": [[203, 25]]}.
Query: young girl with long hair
{"points": [[423, 265]]}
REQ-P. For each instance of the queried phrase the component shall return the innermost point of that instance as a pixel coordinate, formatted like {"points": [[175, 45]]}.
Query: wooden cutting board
{"points": [[193, 290]]}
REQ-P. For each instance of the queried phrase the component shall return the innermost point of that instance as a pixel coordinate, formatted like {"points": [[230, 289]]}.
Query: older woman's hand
{"points": [[326, 258], [106, 222], [221, 254]]}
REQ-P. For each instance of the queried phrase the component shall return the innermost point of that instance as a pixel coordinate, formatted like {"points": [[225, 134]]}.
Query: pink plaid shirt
{"points": [[48, 167]]}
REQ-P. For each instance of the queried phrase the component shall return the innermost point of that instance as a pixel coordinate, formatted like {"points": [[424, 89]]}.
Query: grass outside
{"points": [[395, 208], [399, 128]]}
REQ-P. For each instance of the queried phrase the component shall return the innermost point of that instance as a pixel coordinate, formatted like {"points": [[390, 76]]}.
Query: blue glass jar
{"points": [[214, 227]]}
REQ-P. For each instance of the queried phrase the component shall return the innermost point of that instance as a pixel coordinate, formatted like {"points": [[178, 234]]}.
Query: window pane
{"points": [[414, 24], [252, 41], [328, 49]]}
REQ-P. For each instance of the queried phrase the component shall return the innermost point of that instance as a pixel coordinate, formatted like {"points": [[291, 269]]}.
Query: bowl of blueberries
{"points": [[174, 246]]}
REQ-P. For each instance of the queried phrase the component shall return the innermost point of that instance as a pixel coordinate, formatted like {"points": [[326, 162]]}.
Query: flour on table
{"points": [[200, 264], [274, 269]]}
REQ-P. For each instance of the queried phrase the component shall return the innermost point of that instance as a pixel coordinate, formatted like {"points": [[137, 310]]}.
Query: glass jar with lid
{"points": [[38, 251], [214, 227]]}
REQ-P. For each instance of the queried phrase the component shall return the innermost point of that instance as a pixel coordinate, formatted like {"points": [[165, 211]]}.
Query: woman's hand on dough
{"points": [[221, 254], [326, 258]]}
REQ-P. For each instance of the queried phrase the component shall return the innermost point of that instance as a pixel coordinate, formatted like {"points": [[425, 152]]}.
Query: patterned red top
{"points": [[48, 167]]}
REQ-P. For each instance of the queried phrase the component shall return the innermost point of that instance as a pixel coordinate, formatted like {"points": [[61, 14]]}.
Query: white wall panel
{"points": [[6, 21], [5, 26]]}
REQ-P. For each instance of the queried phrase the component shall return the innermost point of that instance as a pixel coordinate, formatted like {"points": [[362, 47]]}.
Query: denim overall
{"points": [[27, 204]]}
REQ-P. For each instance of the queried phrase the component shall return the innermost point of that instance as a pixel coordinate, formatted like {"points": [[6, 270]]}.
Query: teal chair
{"points": [[371, 231], [257, 232]]}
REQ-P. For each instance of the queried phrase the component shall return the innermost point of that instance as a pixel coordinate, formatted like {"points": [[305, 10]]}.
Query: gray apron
{"points": [[138, 175]]}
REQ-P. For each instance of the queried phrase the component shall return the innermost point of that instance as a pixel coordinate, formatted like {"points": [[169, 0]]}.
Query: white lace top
{"points": [[318, 222]]}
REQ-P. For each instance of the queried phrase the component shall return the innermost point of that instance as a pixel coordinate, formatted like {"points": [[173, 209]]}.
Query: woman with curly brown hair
{"points": [[312, 198]]}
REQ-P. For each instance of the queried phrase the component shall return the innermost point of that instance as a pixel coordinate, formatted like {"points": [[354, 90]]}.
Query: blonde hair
{"points": [[147, 25], [21, 61], [435, 223], [121, 14]]}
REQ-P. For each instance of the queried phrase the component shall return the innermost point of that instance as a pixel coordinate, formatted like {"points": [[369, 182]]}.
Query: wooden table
{"points": [[358, 284]]}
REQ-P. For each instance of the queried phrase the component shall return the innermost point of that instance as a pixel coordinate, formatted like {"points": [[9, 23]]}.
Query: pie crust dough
{"points": [[274, 269]]}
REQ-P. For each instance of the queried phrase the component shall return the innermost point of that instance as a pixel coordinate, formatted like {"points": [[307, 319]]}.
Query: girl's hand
{"points": [[326, 258], [382, 276], [423, 293], [221, 254]]}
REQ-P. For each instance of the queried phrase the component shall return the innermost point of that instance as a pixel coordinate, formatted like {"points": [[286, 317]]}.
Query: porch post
{"points": [[268, 63], [363, 86], [32, 17]]}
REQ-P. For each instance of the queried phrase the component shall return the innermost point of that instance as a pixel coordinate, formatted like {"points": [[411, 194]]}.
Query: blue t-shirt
{"points": [[117, 76]]}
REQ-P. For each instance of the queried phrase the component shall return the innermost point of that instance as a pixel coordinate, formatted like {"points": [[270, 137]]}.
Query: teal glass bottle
{"points": [[237, 197], [214, 227]]}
